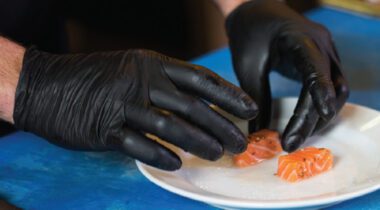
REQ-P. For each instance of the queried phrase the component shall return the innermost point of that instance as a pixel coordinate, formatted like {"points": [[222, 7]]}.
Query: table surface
{"points": [[37, 175]]}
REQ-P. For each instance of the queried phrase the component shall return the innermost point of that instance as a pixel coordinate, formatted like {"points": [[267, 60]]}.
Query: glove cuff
{"points": [[23, 87]]}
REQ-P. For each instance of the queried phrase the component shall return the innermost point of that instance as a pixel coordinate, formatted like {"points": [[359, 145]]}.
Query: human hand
{"points": [[266, 35], [110, 100]]}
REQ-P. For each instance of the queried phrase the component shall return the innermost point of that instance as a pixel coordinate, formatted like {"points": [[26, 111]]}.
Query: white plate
{"points": [[353, 139]]}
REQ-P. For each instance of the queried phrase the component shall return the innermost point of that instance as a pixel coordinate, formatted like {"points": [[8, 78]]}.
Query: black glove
{"points": [[108, 101], [266, 35]]}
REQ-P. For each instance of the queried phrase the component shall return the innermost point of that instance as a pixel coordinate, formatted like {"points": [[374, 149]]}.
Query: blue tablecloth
{"points": [[37, 175]]}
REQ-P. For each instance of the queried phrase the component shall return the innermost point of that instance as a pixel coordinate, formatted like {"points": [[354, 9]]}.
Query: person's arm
{"points": [[227, 6], [11, 55]]}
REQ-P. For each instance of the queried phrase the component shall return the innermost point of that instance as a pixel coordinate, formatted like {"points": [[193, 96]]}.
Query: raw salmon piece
{"points": [[304, 163], [262, 145]]}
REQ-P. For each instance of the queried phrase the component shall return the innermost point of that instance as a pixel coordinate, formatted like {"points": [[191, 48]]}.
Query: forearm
{"points": [[227, 6], [11, 56]]}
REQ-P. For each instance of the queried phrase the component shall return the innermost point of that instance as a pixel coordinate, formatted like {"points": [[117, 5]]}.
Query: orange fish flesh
{"points": [[262, 145], [304, 163]]}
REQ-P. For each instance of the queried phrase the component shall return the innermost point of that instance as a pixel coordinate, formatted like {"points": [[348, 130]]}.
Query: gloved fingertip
{"points": [[171, 165], [167, 160], [250, 111], [214, 152], [292, 143], [245, 107], [327, 110], [324, 101], [240, 145]]}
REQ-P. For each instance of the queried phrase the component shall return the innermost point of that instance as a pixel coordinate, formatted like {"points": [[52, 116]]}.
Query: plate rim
{"points": [[246, 203], [243, 203]]}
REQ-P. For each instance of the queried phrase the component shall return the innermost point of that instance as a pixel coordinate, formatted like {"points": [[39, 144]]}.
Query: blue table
{"points": [[37, 175]]}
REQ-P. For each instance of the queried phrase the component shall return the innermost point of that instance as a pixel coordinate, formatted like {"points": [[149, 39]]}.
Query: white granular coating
{"points": [[259, 182]]}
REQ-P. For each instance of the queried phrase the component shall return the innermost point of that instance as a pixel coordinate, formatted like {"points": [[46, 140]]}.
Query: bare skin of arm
{"points": [[11, 56], [227, 6]]}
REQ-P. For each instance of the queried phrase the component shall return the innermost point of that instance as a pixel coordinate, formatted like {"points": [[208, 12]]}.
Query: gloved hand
{"points": [[266, 35], [109, 100]]}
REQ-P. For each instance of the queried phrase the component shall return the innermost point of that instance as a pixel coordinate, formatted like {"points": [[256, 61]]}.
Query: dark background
{"points": [[182, 29]]}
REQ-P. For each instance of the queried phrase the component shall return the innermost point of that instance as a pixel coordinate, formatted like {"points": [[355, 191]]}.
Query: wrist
{"points": [[227, 6], [11, 56]]}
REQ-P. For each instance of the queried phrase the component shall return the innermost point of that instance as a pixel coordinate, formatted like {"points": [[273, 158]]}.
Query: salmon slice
{"points": [[304, 163], [262, 145]]}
